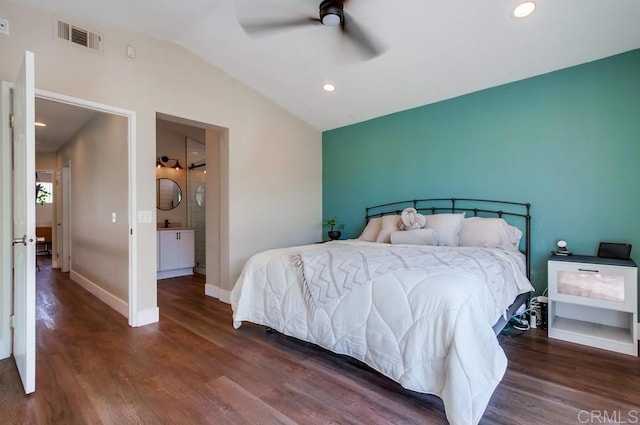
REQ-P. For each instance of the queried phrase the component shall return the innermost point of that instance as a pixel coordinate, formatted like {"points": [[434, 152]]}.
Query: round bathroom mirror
{"points": [[168, 194], [200, 195]]}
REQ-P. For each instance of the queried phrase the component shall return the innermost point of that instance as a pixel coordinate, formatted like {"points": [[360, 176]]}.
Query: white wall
{"points": [[99, 185], [274, 158], [44, 215]]}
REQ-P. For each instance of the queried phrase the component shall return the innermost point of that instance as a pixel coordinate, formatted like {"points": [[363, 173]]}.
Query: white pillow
{"points": [[389, 225], [446, 226], [415, 237], [489, 233], [371, 230]]}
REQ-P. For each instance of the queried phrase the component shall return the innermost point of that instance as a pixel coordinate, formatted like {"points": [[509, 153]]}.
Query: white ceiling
{"points": [[435, 50], [63, 122]]}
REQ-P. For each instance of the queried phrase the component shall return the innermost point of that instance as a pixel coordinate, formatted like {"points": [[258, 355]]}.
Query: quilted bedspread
{"points": [[420, 315]]}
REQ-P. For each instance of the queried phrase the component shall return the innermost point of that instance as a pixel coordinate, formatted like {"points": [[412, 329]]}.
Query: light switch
{"points": [[144, 216], [113, 217], [131, 52]]}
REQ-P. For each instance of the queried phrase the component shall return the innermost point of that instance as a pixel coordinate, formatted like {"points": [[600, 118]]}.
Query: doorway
{"points": [[203, 150], [99, 139], [61, 255], [127, 119], [44, 213]]}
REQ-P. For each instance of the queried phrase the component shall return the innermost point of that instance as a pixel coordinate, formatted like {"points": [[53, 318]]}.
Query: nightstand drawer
{"points": [[597, 285]]}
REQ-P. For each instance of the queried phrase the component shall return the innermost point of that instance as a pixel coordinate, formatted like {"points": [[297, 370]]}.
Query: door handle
{"points": [[23, 240]]}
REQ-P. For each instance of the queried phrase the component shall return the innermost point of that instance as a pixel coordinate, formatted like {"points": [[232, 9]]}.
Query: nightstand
{"points": [[593, 301]]}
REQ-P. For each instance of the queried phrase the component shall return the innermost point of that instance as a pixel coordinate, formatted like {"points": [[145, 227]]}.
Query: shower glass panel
{"points": [[196, 180]]}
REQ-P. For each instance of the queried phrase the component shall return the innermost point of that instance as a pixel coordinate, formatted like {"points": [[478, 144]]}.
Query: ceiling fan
{"points": [[331, 14]]}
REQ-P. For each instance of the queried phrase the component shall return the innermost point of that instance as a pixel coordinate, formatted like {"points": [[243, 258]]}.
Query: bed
{"points": [[421, 304]]}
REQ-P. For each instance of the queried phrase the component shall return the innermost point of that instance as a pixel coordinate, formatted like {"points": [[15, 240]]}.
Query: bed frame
{"points": [[516, 213]]}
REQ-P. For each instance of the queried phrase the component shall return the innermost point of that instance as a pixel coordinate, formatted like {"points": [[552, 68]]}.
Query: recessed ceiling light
{"points": [[524, 9], [39, 124], [328, 87]]}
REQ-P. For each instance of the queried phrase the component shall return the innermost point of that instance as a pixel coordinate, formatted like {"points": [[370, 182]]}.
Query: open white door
{"points": [[24, 224], [65, 264], [57, 195]]}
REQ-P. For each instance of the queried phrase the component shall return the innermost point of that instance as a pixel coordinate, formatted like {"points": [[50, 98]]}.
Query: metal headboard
{"points": [[479, 207]]}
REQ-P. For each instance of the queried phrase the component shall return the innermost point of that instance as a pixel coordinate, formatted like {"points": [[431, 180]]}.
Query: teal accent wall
{"points": [[568, 142]]}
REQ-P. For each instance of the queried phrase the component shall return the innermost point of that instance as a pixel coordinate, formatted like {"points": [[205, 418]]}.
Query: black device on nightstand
{"points": [[619, 251]]}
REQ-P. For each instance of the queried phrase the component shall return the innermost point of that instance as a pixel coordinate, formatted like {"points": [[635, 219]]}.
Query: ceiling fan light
{"points": [[524, 9], [331, 20]]}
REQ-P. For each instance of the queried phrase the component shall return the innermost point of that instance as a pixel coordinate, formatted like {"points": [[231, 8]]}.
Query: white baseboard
{"points": [[146, 317], [215, 292], [106, 297], [225, 296]]}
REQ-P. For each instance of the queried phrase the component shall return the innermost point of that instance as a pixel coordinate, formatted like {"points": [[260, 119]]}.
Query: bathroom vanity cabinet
{"points": [[175, 252]]}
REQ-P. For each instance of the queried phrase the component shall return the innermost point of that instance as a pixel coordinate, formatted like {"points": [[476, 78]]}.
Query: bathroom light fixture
{"points": [[524, 9], [161, 160]]}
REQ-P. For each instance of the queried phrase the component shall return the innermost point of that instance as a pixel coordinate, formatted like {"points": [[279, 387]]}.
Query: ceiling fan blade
{"points": [[367, 45], [252, 28]]}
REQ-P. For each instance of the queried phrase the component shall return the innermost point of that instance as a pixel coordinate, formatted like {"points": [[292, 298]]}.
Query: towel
{"points": [[411, 220]]}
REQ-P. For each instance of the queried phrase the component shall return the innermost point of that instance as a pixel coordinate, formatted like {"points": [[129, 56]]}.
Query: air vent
{"points": [[80, 36]]}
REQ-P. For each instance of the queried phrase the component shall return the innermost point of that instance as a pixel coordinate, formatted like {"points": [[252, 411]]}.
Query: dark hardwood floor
{"points": [[193, 368]]}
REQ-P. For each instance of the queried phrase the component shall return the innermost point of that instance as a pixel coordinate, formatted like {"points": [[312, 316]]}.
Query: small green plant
{"points": [[333, 224], [41, 194]]}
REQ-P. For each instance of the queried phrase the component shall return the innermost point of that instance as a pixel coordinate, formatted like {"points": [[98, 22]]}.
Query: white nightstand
{"points": [[593, 301]]}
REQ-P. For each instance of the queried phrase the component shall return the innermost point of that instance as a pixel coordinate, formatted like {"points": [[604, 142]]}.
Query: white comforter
{"points": [[429, 329]]}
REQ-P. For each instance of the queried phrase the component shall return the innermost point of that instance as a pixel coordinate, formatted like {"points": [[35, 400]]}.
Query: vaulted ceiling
{"points": [[433, 50]]}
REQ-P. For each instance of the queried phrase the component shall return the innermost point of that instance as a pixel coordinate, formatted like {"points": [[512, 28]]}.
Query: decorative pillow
{"points": [[415, 237], [371, 230], [446, 226], [389, 225], [489, 233]]}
